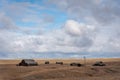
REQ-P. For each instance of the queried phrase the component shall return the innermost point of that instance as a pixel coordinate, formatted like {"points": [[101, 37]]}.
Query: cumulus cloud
{"points": [[103, 12], [62, 41], [82, 35], [104, 15], [76, 29], [57, 41]]}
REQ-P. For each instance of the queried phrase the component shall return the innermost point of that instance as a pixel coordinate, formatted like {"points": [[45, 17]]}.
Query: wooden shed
{"points": [[28, 62], [47, 62], [99, 63], [59, 63], [75, 64]]}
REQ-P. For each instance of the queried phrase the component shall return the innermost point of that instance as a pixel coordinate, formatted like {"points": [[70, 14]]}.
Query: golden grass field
{"points": [[52, 71]]}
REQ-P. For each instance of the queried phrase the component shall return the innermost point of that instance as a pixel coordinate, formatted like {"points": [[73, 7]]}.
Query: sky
{"points": [[59, 28]]}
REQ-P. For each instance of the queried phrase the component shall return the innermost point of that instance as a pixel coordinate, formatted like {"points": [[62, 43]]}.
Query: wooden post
{"points": [[85, 63]]}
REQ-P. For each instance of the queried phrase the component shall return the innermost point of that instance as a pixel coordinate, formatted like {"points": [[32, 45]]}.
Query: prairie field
{"points": [[52, 71]]}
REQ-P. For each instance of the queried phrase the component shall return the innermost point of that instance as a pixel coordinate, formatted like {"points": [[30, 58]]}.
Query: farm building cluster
{"points": [[31, 62]]}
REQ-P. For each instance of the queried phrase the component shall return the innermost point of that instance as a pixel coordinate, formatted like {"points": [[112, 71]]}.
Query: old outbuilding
{"points": [[28, 62], [75, 64], [99, 63], [59, 63], [47, 62]]}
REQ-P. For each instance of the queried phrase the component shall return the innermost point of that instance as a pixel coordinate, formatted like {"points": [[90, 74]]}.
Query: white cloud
{"points": [[103, 11], [78, 29], [55, 41], [74, 37], [26, 13]]}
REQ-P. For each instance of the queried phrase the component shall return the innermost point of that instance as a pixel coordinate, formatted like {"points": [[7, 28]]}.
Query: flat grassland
{"points": [[52, 71]]}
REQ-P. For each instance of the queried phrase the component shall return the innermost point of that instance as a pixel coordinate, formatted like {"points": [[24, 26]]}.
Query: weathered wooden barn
{"points": [[28, 62]]}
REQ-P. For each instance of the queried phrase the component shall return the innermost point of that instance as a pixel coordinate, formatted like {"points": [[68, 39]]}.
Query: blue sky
{"points": [[32, 12], [59, 29]]}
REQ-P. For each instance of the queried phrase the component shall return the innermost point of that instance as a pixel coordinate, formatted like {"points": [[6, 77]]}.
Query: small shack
{"points": [[47, 62], [99, 63], [28, 62], [59, 63], [75, 64]]}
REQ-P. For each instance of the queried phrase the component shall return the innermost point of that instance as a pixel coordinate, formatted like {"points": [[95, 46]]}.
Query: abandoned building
{"points": [[75, 64], [47, 62], [28, 62], [59, 63], [99, 63]]}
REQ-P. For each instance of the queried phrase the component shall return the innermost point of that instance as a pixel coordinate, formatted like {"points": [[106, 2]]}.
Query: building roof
{"points": [[29, 61]]}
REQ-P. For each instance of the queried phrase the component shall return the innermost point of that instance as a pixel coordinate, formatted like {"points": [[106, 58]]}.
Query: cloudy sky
{"points": [[59, 28]]}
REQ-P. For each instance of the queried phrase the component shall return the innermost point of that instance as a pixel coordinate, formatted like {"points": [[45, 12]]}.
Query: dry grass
{"points": [[9, 70], [66, 61]]}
